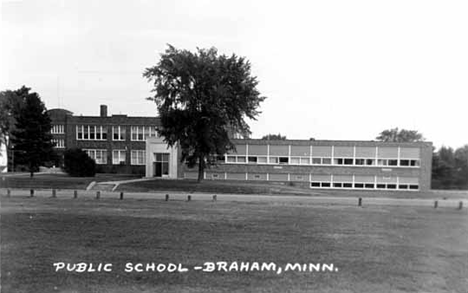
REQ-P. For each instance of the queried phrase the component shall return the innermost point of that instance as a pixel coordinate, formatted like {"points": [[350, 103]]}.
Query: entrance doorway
{"points": [[161, 165]]}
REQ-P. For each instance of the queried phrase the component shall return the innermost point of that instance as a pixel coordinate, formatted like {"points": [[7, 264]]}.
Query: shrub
{"points": [[79, 164]]}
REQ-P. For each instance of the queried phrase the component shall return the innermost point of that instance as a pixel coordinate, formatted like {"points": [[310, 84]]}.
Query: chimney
{"points": [[103, 110]]}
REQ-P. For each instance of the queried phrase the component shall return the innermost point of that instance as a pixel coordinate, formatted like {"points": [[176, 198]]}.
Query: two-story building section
{"points": [[116, 143]]}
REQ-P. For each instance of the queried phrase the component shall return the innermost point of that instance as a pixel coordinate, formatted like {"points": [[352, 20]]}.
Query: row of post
{"points": [[98, 195], [189, 197]]}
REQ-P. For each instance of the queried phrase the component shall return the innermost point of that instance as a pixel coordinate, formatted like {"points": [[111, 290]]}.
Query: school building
{"points": [[126, 144]]}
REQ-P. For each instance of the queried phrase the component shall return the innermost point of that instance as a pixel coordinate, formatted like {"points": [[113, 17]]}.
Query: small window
{"points": [[317, 161], [404, 162], [273, 160], [414, 163], [214, 176], [382, 162], [326, 161], [391, 186], [326, 184], [295, 160], [315, 184], [305, 161], [347, 185], [283, 160], [403, 186], [338, 161], [348, 161], [262, 160], [338, 184], [392, 162], [257, 176], [370, 162], [358, 185], [241, 159], [231, 159], [360, 161], [381, 186], [252, 160], [414, 186], [369, 185], [299, 177]]}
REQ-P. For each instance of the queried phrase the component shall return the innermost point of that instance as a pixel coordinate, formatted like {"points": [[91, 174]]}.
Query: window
{"points": [[316, 161], [370, 162], [358, 185], [252, 160], [141, 133], [392, 162], [315, 184], [295, 160], [273, 160], [414, 186], [326, 161], [118, 157], [338, 184], [403, 186], [118, 132], [414, 163], [59, 143], [404, 163], [262, 160], [283, 160], [305, 161], [380, 186], [138, 157], [360, 161], [161, 164], [98, 155], [57, 129], [241, 159], [91, 132], [348, 161], [231, 159], [348, 185], [369, 185]]}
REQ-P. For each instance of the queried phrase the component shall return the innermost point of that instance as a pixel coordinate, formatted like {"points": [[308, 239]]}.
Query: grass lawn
{"points": [[376, 249], [57, 181]]}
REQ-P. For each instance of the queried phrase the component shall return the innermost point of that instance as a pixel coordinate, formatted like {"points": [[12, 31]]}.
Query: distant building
{"points": [[116, 143]]}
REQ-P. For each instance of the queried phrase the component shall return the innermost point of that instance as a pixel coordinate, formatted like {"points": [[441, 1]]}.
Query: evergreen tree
{"points": [[31, 137]]}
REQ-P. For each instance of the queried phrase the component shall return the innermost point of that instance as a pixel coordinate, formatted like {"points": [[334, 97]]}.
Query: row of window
{"points": [[98, 132], [318, 184], [137, 157], [319, 161], [57, 129], [58, 143], [324, 181]]}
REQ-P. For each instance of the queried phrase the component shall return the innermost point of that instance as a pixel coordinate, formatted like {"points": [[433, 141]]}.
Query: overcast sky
{"points": [[341, 70]]}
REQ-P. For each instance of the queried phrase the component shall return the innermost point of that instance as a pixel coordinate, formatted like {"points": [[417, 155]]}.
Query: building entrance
{"points": [[161, 165]]}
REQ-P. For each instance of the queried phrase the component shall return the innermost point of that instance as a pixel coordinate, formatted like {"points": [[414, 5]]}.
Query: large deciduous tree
{"points": [[11, 103], [400, 135], [31, 137], [201, 97]]}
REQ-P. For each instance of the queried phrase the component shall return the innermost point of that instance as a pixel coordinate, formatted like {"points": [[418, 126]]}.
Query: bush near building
{"points": [[78, 163]]}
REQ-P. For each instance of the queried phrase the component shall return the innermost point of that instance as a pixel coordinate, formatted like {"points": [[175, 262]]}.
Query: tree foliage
{"points": [[450, 168], [274, 137], [400, 135], [78, 163], [11, 103], [31, 137], [200, 97]]}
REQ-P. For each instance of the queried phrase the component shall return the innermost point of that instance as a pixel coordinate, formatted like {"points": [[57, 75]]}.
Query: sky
{"points": [[339, 70]]}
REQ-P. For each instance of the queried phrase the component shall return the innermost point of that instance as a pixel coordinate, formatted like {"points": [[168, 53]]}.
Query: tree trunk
{"points": [[201, 168]]}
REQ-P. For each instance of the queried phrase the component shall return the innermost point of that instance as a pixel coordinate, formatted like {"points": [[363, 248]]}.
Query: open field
{"points": [[375, 248]]}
